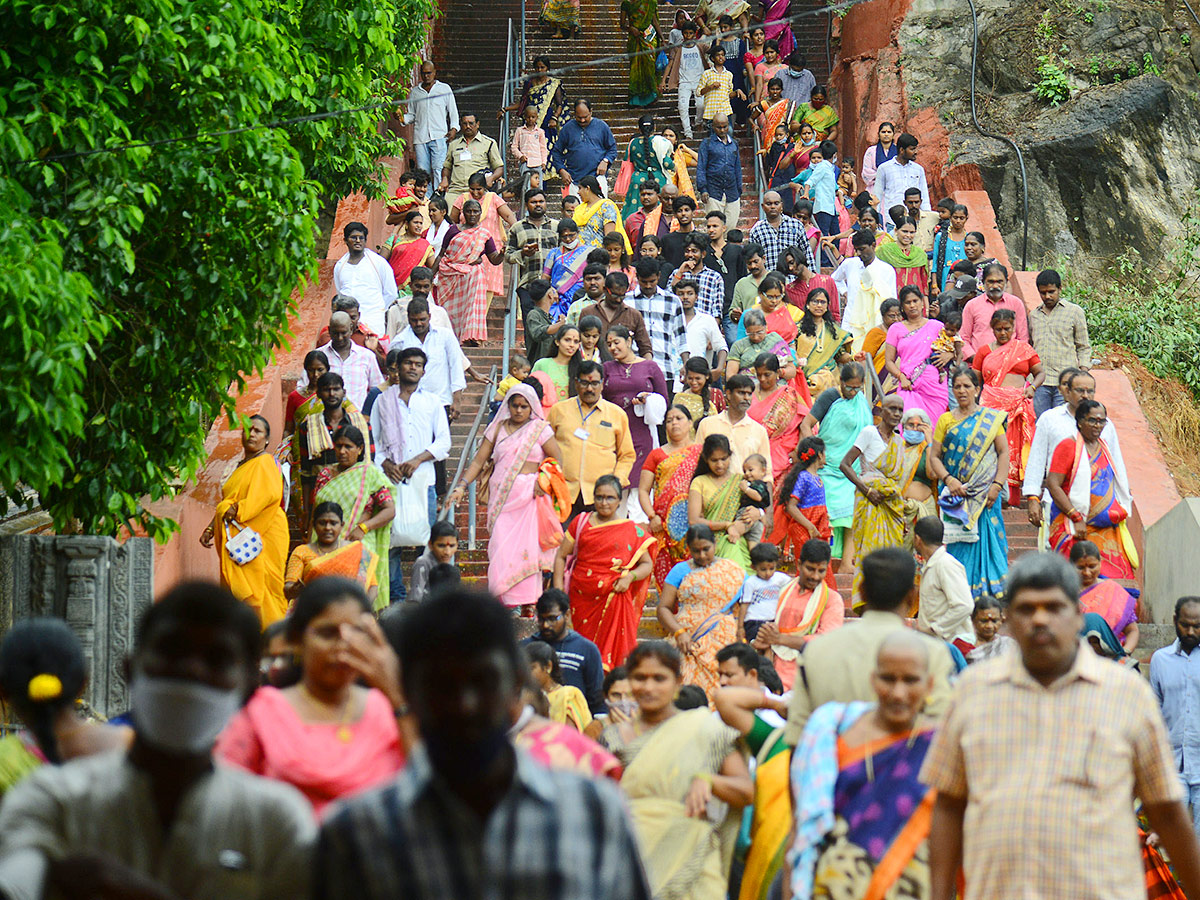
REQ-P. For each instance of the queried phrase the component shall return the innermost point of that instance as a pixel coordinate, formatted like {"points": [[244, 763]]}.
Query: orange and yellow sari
{"points": [[996, 366], [353, 560], [672, 481]]}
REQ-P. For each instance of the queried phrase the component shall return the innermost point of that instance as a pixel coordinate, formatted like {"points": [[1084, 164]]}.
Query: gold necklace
{"points": [[345, 735]]}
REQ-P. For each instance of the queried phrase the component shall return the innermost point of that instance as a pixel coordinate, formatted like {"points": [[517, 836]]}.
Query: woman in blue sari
{"points": [[862, 816], [842, 413], [565, 264], [970, 457]]}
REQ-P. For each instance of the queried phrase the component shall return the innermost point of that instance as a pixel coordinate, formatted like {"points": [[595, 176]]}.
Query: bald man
{"points": [[357, 365], [719, 172]]}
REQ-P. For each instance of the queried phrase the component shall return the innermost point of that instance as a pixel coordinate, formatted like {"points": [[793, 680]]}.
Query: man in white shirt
{"points": [[411, 434], [900, 173], [365, 275], [746, 436], [434, 114], [704, 338], [357, 365], [444, 363], [1053, 427], [946, 601], [161, 820], [865, 282]]}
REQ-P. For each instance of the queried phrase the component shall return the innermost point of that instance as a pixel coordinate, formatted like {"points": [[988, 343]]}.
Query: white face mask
{"points": [[178, 715], [571, 245]]}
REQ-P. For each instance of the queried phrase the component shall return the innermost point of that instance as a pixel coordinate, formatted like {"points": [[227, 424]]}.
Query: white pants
{"points": [[633, 507], [687, 90], [731, 208]]}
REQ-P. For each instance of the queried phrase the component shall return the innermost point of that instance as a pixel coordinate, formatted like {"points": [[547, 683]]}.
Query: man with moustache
{"points": [[1175, 680], [578, 658]]}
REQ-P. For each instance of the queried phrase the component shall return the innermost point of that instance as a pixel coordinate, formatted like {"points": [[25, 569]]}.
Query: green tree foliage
{"points": [[136, 285]]}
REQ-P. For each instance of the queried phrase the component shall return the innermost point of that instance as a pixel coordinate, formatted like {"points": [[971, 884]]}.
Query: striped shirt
{"points": [[554, 836], [1060, 338], [524, 232], [1049, 775]]}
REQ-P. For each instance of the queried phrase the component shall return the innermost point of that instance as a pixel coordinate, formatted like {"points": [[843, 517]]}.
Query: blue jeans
{"points": [[396, 557], [430, 157], [730, 328], [1048, 396], [1193, 800]]}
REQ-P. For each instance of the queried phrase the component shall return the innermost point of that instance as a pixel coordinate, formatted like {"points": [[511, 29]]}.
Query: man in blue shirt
{"points": [[578, 658], [1175, 679], [585, 146], [719, 172]]}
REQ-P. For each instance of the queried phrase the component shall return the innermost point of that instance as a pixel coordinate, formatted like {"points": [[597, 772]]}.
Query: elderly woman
{"points": [[252, 498], [759, 339], [1089, 493], [667, 475], [821, 346], [911, 358], [970, 456], [492, 212], [462, 284], [917, 478], [523, 452], [1012, 372], [783, 319]]}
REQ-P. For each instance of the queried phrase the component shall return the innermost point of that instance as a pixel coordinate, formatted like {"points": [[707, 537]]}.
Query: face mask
{"points": [[571, 245], [180, 716], [912, 436]]}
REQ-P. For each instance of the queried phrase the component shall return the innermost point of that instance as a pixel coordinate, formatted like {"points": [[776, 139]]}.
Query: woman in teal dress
{"points": [[639, 19], [970, 457], [653, 157]]}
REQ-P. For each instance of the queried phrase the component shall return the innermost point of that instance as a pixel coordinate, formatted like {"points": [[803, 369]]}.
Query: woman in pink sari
{"points": [[492, 211], [1012, 371], [524, 455], [779, 409], [462, 285], [911, 359], [775, 20]]}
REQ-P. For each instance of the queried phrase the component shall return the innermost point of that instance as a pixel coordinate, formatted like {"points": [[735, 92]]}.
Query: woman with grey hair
{"points": [[758, 340], [917, 479]]}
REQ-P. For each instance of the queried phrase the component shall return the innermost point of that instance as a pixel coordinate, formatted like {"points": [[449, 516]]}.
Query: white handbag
{"points": [[244, 546], [410, 527]]}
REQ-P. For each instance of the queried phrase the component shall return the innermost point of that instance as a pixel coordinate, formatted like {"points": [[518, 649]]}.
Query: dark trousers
{"points": [[579, 507]]}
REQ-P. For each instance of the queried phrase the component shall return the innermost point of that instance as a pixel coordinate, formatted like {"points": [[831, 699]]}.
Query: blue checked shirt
{"points": [[554, 836], [712, 290], [790, 233], [663, 314]]}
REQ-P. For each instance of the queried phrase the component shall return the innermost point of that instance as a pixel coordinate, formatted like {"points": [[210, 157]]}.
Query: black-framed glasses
{"points": [[589, 383]]}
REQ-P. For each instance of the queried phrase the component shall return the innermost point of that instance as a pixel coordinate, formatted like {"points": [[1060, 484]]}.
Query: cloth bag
{"points": [[244, 546], [624, 177], [410, 527]]}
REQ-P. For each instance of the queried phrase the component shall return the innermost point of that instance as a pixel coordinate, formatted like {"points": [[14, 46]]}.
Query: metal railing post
{"points": [[760, 180]]}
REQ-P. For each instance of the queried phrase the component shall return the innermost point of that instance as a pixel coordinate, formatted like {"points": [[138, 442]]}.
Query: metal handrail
{"points": [[469, 450], [760, 179], [506, 101]]}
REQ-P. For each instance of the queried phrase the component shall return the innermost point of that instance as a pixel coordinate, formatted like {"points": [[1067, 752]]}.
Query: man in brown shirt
{"points": [[613, 310], [1039, 758]]}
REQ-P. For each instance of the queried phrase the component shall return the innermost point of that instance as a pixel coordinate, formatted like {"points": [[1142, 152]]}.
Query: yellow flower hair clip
{"points": [[45, 687]]}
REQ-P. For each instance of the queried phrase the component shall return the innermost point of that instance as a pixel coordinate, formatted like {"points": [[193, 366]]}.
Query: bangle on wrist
{"points": [[704, 776], [677, 632]]}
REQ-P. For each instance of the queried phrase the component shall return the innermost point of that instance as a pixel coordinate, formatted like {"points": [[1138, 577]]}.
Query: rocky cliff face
{"points": [[1112, 147]]}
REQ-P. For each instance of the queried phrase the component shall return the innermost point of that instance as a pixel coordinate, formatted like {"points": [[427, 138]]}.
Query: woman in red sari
{"points": [[604, 564], [462, 287], [407, 249], [667, 473], [1012, 372], [780, 409]]}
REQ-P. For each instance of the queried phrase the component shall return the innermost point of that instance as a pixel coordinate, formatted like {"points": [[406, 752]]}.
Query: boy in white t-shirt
{"points": [[690, 62], [758, 599], [704, 338]]}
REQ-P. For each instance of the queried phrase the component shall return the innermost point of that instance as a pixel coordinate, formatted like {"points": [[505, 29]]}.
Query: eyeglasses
{"points": [[1092, 420], [583, 383], [550, 620]]}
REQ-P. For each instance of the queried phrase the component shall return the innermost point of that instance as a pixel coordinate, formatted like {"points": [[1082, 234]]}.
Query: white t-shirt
{"points": [[763, 596], [872, 447], [372, 283], [704, 337], [691, 64]]}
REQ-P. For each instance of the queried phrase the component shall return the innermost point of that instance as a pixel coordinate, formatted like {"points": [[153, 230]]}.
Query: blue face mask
{"points": [[912, 436]]}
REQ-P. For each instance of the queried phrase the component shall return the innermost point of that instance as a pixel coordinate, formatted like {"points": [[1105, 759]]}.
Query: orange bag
{"points": [[624, 177]]}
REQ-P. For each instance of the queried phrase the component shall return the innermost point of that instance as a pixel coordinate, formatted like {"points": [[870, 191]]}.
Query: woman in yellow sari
{"points": [[597, 216], [683, 156], [821, 346], [694, 607], [329, 554], [715, 501], [252, 497], [676, 762], [880, 509]]}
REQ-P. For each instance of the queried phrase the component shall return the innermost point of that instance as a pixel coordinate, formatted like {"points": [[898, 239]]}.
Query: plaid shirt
{"points": [[360, 371], [1060, 338], [663, 314], [553, 836], [522, 233], [790, 233], [1048, 774], [712, 290]]}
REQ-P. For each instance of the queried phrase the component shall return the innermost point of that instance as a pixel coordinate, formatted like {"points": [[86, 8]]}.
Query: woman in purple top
{"points": [[628, 380]]}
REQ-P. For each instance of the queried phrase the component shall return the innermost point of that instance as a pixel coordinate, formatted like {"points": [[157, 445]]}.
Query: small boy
{"points": [[569, 202], [759, 597], [443, 544], [688, 63], [948, 341], [847, 182], [530, 148], [716, 87], [518, 371], [755, 494]]}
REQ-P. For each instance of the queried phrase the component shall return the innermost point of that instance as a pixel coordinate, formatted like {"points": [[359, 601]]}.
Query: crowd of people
{"points": [[798, 438]]}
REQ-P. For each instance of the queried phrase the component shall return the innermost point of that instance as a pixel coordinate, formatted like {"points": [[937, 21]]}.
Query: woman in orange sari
{"points": [[1085, 475], [462, 286], [1104, 596], [667, 473], [329, 554], [1012, 372], [604, 565], [407, 249], [779, 409]]}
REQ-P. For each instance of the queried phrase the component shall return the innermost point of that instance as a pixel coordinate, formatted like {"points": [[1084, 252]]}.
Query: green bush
{"points": [[139, 284], [1154, 314], [1052, 85]]}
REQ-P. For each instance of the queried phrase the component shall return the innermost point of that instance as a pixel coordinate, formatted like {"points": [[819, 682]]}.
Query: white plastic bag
{"points": [[410, 527]]}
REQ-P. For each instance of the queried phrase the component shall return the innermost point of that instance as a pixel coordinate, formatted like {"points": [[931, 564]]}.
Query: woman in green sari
{"points": [[676, 763], [653, 157], [639, 19], [821, 346], [715, 499], [842, 413], [364, 494]]}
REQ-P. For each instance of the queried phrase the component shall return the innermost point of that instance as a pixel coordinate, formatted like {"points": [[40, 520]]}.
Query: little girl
{"points": [[589, 337], [698, 399], [802, 515], [567, 703]]}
